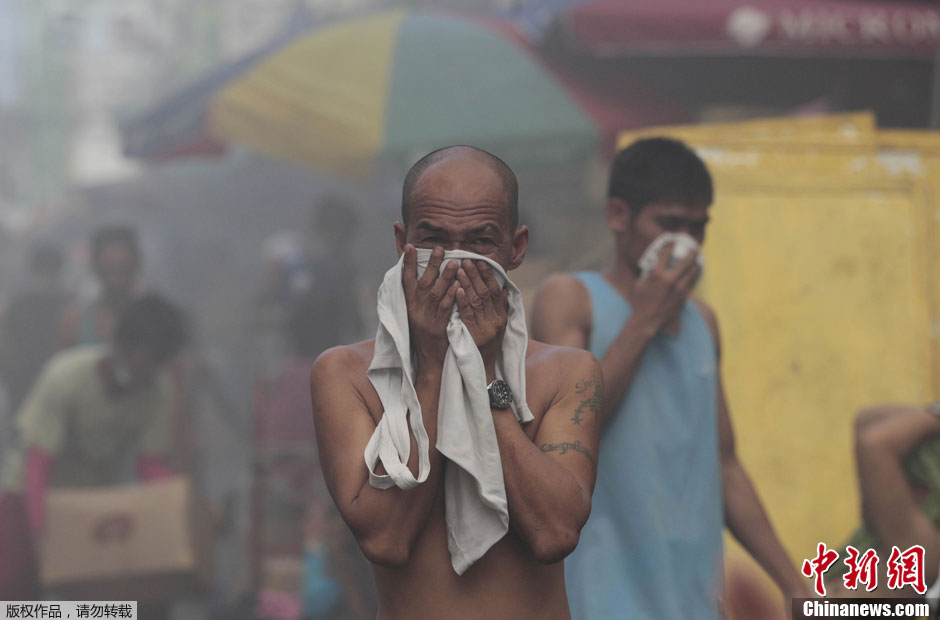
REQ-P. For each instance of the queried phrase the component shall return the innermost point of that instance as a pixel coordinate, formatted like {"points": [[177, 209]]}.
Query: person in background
{"points": [[332, 270], [28, 325], [668, 474], [318, 272], [297, 512], [116, 262], [91, 408], [899, 484]]}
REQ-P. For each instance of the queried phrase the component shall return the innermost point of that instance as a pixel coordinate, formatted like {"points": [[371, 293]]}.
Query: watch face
{"points": [[500, 394]]}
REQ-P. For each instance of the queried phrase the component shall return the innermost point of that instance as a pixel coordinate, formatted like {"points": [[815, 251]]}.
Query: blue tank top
{"points": [[652, 548]]}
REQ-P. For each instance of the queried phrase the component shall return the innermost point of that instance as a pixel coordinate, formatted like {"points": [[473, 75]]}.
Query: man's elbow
{"points": [[553, 544], [868, 417], [555, 547], [871, 441], [385, 549]]}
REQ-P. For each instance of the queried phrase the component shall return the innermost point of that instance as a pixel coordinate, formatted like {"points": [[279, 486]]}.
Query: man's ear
{"points": [[520, 241], [619, 215], [401, 235]]}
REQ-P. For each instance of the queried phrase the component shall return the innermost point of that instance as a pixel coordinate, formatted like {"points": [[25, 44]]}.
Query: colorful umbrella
{"points": [[396, 84]]}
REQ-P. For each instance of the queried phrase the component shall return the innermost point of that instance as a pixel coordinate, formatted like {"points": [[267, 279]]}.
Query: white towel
{"points": [[474, 492], [682, 244]]}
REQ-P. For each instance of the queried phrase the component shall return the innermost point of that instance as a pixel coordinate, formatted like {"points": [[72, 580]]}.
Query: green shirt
{"points": [[92, 434]]}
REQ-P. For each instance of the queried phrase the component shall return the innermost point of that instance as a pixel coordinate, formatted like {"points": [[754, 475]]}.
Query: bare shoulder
{"points": [[561, 311], [560, 282], [539, 354], [558, 369], [563, 290], [342, 361]]}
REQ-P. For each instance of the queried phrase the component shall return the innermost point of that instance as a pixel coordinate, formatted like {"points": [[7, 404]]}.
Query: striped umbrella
{"points": [[393, 85]]}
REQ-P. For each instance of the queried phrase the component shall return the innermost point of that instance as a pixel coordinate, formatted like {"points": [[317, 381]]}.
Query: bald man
{"points": [[462, 198]]}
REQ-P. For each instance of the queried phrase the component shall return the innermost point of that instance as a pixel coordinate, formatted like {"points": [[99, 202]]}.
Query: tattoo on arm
{"points": [[592, 401], [564, 447]]}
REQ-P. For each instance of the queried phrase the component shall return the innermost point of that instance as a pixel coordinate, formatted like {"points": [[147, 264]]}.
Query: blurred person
{"points": [[319, 272], [668, 474], [335, 578], [116, 263], [746, 598], [460, 201], [332, 268], [282, 253], [898, 484], [91, 408], [29, 324]]}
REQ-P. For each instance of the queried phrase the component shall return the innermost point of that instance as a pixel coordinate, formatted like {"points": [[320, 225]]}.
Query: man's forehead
{"points": [[460, 219], [462, 187], [462, 173], [678, 209], [479, 223]]}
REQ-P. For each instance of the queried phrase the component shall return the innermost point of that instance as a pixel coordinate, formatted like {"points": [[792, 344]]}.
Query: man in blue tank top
{"points": [[668, 476]]}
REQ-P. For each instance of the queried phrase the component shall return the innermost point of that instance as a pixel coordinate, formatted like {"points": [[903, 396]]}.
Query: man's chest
{"points": [[536, 399]]}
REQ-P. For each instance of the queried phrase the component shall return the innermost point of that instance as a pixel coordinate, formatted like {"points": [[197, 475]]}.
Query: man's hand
{"points": [[430, 301], [658, 298], [483, 308]]}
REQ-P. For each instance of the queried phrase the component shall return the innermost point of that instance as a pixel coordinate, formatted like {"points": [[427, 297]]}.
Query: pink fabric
{"points": [[19, 574], [39, 464], [277, 605], [151, 468]]}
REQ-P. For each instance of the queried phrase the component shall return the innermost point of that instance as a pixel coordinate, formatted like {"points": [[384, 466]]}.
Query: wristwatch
{"points": [[500, 394]]}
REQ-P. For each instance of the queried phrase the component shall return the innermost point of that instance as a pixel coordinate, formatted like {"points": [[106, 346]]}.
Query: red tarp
{"points": [[774, 27]]}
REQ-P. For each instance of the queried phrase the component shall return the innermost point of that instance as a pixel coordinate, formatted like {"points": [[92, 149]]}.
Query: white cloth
{"points": [[474, 492], [682, 244]]}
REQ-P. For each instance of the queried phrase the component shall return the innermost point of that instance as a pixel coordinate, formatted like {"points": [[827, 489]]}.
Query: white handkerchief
{"points": [[474, 492]]}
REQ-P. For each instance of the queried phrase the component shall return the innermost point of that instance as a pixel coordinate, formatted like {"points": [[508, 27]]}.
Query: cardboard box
{"points": [[143, 542]]}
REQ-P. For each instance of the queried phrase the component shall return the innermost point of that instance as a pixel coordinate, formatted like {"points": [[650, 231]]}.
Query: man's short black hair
{"points": [[152, 324], [497, 165], [661, 170], [109, 235]]}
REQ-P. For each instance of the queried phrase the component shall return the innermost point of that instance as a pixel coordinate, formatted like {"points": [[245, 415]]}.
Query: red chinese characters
{"points": [[818, 566], [861, 569], [906, 568]]}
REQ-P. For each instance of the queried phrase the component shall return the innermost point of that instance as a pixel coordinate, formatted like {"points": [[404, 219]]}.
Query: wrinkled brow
{"points": [[486, 228]]}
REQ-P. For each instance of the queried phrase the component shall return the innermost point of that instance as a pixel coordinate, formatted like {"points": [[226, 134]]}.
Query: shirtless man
{"points": [[461, 198]]}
